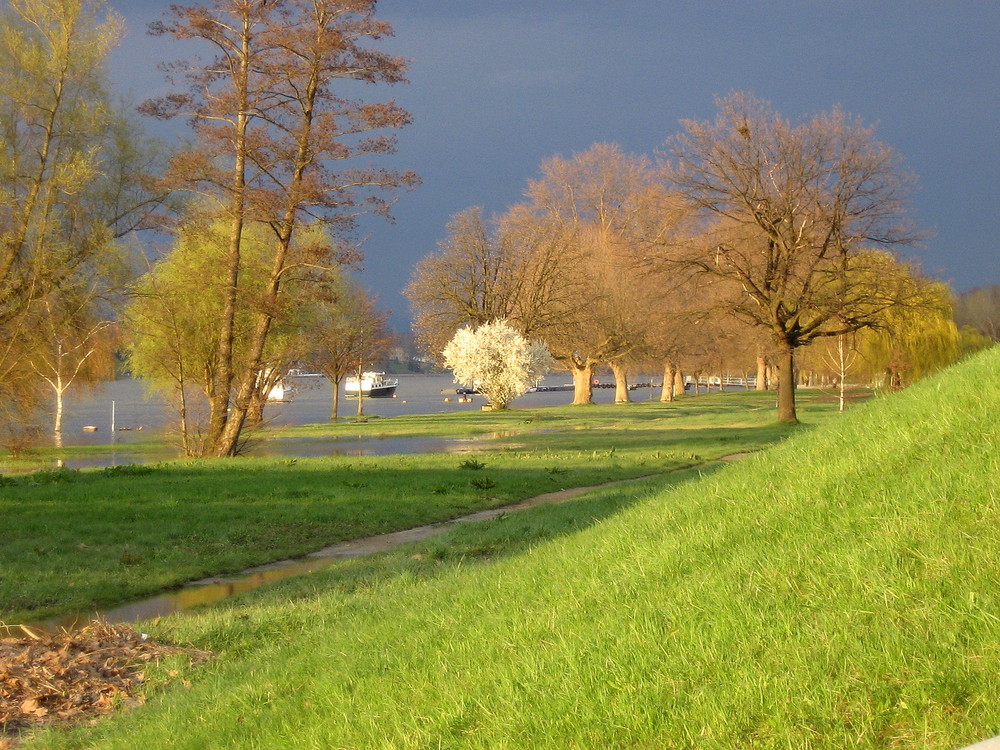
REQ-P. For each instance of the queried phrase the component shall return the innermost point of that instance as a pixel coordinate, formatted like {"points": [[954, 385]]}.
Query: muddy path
{"points": [[217, 588]]}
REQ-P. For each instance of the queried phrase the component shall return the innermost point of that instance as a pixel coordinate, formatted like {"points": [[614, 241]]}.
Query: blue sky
{"points": [[496, 86]]}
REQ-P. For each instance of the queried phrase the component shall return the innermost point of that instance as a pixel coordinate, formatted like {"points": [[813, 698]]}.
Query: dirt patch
{"points": [[69, 677]]}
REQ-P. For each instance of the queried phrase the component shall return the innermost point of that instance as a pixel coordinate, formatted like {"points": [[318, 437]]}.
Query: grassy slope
{"points": [[839, 591]]}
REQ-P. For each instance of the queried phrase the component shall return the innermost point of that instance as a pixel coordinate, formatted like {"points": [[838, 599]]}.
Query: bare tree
{"points": [[789, 210], [275, 141], [344, 331], [70, 345], [515, 268], [471, 280], [609, 212], [980, 308]]}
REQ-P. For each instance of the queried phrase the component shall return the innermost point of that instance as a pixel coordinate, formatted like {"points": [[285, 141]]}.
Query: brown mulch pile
{"points": [[73, 676]]}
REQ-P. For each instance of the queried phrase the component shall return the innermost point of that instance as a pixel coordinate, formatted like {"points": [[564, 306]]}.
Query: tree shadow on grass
{"points": [[461, 546]]}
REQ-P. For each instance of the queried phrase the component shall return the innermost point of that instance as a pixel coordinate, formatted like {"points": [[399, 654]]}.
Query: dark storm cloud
{"points": [[496, 86]]}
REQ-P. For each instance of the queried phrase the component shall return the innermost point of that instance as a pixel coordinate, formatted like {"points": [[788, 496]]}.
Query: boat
{"points": [[280, 393], [372, 385]]}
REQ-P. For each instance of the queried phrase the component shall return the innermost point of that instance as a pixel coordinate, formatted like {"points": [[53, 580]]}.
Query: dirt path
{"points": [[371, 545]]}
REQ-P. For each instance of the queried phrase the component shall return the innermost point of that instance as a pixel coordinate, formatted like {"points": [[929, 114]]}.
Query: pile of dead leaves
{"points": [[72, 676]]}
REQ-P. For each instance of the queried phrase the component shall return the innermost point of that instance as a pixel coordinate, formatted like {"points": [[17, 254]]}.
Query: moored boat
{"points": [[371, 385]]}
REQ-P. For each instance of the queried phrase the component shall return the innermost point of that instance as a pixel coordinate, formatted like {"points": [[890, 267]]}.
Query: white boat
{"points": [[280, 392], [372, 385]]}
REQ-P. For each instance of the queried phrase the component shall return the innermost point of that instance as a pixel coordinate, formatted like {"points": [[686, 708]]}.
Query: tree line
{"points": [[748, 239]]}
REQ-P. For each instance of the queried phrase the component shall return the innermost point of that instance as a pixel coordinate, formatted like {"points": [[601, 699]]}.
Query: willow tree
{"points": [[280, 141], [789, 211], [72, 163]]}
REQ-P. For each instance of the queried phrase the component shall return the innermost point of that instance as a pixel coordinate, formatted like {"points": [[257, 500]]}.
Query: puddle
{"points": [[217, 588]]}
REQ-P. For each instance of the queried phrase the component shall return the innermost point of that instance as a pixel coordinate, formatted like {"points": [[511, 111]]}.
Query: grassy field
{"points": [[836, 591], [85, 539]]}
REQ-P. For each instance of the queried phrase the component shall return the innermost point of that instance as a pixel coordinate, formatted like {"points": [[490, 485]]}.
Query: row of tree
{"points": [[751, 238], [260, 204]]}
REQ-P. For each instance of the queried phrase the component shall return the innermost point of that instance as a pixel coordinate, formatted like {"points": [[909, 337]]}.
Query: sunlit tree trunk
{"points": [[669, 375], [583, 381], [621, 383], [761, 372], [786, 385], [335, 401]]}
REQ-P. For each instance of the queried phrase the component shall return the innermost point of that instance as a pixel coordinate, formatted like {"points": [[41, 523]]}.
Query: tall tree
{"points": [[171, 320], [792, 207], [275, 141]]}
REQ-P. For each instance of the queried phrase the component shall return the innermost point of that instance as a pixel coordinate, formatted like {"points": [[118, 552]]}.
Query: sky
{"points": [[498, 86]]}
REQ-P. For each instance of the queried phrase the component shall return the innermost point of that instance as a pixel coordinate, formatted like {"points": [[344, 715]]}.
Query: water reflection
{"points": [[363, 446], [190, 596]]}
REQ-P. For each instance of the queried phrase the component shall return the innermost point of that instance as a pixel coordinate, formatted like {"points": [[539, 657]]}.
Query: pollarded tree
{"points": [[278, 140], [609, 212], [497, 360], [792, 208]]}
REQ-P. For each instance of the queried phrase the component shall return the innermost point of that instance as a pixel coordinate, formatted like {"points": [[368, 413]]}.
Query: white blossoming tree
{"points": [[497, 360]]}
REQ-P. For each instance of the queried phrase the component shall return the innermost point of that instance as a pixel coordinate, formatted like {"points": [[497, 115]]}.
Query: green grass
{"points": [[836, 591], [86, 539]]}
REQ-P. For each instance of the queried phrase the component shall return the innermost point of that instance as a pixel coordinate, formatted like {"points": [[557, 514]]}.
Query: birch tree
{"points": [[70, 345]]}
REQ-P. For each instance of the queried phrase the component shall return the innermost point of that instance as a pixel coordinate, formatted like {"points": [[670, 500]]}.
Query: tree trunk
{"points": [[621, 383], [583, 383], [185, 434], [255, 412], [361, 395], [335, 401], [669, 376], [679, 382], [59, 415], [786, 385], [761, 372]]}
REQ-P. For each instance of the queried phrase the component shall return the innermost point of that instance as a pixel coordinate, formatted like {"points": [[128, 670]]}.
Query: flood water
{"points": [[122, 412]]}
